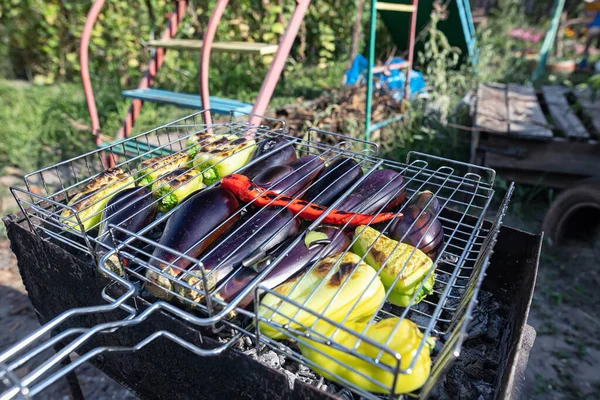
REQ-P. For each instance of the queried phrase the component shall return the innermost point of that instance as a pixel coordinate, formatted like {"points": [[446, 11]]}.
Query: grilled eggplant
{"points": [[91, 200], [131, 209], [420, 225], [150, 170], [334, 180], [299, 257], [263, 230], [348, 289], [291, 178], [198, 222], [275, 151], [217, 155], [374, 192], [327, 240], [427, 199], [172, 187]]}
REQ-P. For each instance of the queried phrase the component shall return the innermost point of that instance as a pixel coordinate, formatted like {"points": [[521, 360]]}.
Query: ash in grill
{"points": [[256, 259]]}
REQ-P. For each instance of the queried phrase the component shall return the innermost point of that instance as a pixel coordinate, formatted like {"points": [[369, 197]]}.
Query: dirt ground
{"points": [[562, 364], [564, 313]]}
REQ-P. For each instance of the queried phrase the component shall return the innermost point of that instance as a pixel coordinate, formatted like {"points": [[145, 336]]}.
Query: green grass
{"points": [[542, 384], [40, 125]]}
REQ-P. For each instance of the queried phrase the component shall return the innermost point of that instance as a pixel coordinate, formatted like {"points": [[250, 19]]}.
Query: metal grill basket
{"points": [[347, 354]]}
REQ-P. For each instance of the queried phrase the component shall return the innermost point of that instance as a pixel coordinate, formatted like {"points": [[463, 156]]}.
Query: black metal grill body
{"points": [[57, 281]]}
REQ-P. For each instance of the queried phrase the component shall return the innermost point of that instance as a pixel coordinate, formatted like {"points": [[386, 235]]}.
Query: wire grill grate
{"points": [[465, 192]]}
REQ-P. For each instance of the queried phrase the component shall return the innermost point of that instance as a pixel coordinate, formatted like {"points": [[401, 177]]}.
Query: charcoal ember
{"points": [[303, 370], [417, 315], [456, 386], [345, 394], [309, 381], [438, 346], [494, 327], [475, 369], [420, 319], [390, 308], [250, 352], [466, 393], [490, 371], [484, 389], [453, 302], [438, 392], [319, 382], [245, 345], [291, 378], [479, 325], [453, 384], [442, 279], [473, 374], [447, 262], [493, 332], [270, 358], [331, 387]]}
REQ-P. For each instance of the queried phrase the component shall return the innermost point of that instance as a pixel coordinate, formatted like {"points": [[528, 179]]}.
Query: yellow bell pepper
{"points": [[397, 255], [316, 290], [338, 365]]}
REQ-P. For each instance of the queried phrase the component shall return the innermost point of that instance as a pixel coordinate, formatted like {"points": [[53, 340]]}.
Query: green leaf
{"points": [[268, 36], [329, 46], [277, 28]]}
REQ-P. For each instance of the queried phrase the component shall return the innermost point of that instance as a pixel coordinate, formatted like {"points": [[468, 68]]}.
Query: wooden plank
{"points": [[235, 47], [559, 156], [590, 107], [491, 114], [562, 115], [394, 7], [525, 114]]}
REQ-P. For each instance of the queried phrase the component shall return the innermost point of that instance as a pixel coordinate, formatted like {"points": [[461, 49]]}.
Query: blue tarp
{"points": [[393, 82]]}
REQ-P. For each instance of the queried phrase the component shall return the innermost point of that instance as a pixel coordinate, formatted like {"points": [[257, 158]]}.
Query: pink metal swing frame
{"points": [[264, 95]]}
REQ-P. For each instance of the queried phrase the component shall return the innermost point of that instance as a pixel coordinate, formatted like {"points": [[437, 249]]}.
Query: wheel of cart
{"points": [[545, 138], [575, 212]]}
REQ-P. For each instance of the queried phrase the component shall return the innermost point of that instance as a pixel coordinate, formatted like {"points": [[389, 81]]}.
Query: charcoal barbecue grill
{"points": [[108, 319]]}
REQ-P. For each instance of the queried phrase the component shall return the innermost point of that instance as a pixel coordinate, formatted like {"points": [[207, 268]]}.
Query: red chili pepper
{"points": [[245, 190]]}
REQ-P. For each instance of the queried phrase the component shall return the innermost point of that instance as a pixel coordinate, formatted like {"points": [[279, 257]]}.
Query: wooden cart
{"points": [[549, 137]]}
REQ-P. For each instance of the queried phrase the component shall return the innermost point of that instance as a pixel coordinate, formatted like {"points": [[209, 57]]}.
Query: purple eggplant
{"points": [[374, 192], [425, 197], [130, 209], [291, 178], [281, 152], [265, 230], [328, 240], [200, 219], [426, 232], [334, 180]]}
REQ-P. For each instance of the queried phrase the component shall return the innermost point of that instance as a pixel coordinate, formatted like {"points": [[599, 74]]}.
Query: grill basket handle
{"points": [[48, 372]]}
